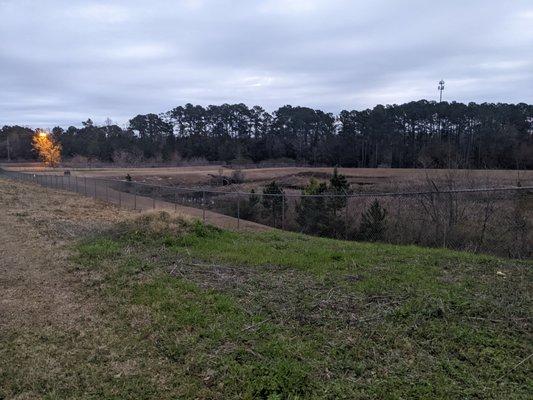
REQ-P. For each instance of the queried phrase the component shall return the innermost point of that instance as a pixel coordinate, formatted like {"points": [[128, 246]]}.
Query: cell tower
{"points": [[441, 89]]}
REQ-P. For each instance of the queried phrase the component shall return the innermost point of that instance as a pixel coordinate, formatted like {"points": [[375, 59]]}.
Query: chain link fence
{"points": [[495, 221]]}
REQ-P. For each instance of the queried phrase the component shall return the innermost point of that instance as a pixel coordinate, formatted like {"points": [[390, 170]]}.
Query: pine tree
{"points": [[312, 212], [253, 200], [321, 214], [373, 223], [272, 201], [339, 188], [338, 182], [249, 208]]}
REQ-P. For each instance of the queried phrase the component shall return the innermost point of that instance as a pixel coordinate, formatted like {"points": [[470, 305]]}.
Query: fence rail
{"points": [[490, 220]]}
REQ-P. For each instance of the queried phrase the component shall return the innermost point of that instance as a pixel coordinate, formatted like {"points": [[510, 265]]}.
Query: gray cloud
{"points": [[64, 61]]}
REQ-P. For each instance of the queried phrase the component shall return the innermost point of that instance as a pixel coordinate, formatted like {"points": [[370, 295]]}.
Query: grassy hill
{"points": [[285, 316]]}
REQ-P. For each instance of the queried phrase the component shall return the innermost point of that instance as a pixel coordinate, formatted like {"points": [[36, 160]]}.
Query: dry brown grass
{"points": [[36, 225]]}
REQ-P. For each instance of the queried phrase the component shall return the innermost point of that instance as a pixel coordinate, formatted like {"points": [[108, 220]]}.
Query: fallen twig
{"points": [[515, 367]]}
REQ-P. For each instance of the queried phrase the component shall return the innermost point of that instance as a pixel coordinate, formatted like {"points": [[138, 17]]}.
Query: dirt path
{"points": [[49, 323], [32, 258]]}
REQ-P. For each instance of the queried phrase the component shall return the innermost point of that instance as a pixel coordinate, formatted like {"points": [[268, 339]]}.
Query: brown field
{"points": [[361, 179]]}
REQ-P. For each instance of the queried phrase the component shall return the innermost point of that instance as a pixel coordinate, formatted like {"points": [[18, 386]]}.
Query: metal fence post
{"points": [[346, 218], [203, 205], [282, 212], [153, 203], [238, 210]]}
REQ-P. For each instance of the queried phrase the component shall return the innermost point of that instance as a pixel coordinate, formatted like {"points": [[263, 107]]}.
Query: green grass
{"points": [[286, 316]]}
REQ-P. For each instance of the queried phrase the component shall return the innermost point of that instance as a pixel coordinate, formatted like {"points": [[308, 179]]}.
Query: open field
{"points": [[295, 178], [101, 303]]}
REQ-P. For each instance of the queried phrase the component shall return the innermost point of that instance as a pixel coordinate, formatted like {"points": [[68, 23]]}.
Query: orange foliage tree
{"points": [[48, 149]]}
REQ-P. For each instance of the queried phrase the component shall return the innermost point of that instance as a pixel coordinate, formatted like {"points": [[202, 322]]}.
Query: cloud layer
{"points": [[64, 61]]}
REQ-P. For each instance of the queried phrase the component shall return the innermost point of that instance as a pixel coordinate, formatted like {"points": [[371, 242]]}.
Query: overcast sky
{"points": [[64, 61]]}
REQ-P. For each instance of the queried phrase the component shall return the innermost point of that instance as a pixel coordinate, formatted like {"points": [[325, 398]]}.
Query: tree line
{"points": [[415, 134]]}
